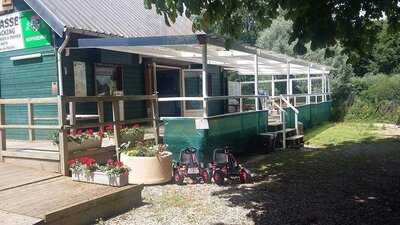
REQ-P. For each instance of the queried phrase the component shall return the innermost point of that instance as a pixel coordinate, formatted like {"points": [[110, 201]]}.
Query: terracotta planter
{"points": [[98, 177], [87, 144], [149, 170]]}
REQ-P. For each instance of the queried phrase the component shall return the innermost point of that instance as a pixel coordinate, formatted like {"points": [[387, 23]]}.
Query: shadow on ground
{"points": [[354, 183]]}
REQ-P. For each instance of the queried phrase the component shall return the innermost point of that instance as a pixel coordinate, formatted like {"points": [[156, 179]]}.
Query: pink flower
{"points": [[110, 162], [136, 126]]}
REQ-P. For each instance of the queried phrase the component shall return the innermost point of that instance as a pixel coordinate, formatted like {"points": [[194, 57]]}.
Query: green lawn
{"points": [[349, 175], [333, 134]]}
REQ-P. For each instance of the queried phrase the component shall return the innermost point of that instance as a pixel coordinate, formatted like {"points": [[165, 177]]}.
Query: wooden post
{"points": [[30, 121], [156, 128], [2, 133], [154, 104], [115, 111], [100, 111], [72, 114], [63, 142]]}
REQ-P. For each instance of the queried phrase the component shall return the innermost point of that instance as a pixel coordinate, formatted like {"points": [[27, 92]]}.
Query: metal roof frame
{"points": [[188, 48]]}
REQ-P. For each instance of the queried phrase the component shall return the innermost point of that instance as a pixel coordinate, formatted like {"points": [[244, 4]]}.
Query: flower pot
{"points": [[87, 144], [149, 170], [98, 177]]}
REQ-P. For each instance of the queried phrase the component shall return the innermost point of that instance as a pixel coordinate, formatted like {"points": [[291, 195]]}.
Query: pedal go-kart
{"points": [[225, 166], [189, 167]]}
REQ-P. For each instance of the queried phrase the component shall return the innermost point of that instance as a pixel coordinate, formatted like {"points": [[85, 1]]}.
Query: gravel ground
{"points": [[181, 205], [351, 183]]}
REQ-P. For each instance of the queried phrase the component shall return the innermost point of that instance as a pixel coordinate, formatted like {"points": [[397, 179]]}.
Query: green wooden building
{"points": [[105, 48]]}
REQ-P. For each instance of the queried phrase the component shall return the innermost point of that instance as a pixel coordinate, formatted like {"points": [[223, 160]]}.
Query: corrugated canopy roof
{"points": [[124, 18], [132, 28]]}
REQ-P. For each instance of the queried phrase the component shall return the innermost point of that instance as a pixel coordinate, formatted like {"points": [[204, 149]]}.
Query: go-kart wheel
{"points": [[178, 179], [245, 176], [219, 177], [205, 176]]}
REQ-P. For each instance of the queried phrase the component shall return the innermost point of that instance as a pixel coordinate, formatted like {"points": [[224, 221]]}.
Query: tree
{"points": [[319, 22]]}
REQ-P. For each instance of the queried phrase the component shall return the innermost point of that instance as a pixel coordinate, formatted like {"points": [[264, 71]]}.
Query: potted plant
{"points": [[80, 140], [151, 164], [132, 134], [113, 173]]}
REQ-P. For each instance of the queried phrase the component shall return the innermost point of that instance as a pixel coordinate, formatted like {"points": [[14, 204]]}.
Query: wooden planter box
{"points": [[98, 177], [124, 139], [88, 144]]}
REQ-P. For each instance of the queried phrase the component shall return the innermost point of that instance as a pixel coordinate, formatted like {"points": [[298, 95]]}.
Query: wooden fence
{"points": [[69, 122]]}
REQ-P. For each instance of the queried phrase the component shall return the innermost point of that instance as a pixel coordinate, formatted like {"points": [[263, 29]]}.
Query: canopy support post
{"points": [[273, 86], [309, 84], [204, 80], [256, 82], [288, 79]]}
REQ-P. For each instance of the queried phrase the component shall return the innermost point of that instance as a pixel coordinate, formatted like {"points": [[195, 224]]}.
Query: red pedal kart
{"points": [[189, 167], [225, 165]]}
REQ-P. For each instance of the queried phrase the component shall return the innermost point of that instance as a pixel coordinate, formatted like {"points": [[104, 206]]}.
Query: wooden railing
{"points": [[69, 122]]}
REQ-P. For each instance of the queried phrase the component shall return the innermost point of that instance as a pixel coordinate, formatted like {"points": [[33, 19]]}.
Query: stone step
{"points": [[296, 141], [295, 137]]}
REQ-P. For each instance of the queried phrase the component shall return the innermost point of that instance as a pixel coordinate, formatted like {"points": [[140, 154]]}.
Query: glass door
{"points": [[192, 86]]}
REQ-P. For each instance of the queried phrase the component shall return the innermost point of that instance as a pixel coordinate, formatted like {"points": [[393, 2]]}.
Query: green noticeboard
{"points": [[23, 30]]}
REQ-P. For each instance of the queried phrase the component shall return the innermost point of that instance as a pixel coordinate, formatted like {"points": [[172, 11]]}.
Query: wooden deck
{"points": [[37, 197]]}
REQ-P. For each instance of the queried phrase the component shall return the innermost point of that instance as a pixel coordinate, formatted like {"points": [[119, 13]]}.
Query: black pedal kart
{"points": [[189, 167]]}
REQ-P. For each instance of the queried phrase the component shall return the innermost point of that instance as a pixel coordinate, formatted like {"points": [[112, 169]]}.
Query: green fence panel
{"points": [[238, 131], [310, 115]]}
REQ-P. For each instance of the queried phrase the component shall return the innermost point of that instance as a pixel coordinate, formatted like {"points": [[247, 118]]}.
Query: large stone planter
{"points": [[98, 177], [149, 170]]}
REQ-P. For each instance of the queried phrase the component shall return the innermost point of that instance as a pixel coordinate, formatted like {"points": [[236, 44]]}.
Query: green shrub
{"points": [[376, 98]]}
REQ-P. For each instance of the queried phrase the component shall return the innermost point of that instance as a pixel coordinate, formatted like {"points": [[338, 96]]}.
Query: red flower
{"points": [[118, 164], [136, 125], [87, 161], [71, 163], [90, 132], [79, 132], [109, 128], [101, 133]]}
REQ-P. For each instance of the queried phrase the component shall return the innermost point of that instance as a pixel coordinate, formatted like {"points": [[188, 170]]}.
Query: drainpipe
{"points": [[59, 62]]}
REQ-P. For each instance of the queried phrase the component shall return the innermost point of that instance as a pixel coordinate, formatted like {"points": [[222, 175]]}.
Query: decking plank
{"points": [[13, 176], [54, 194], [17, 219], [58, 200]]}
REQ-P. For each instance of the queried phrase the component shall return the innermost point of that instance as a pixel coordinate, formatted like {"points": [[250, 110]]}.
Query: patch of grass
{"points": [[172, 200], [333, 134]]}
